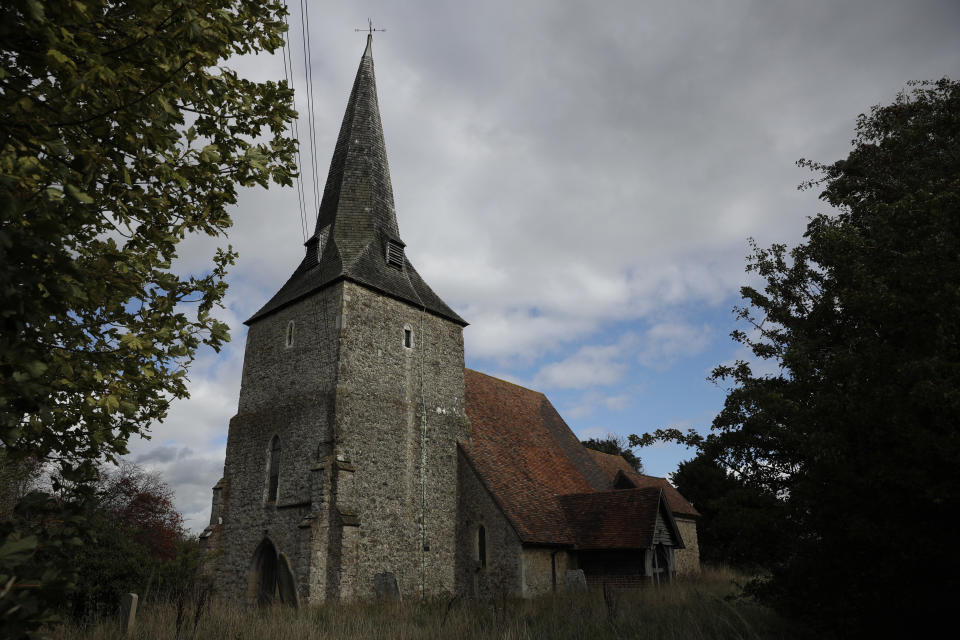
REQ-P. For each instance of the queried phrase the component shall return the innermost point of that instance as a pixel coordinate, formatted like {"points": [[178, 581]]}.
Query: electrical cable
{"points": [[308, 71], [294, 128]]}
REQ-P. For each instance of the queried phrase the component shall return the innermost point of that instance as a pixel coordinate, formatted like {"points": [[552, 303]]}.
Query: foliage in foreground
{"points": [[857, 436], [694, 609], [121, 134], [126, 536]]}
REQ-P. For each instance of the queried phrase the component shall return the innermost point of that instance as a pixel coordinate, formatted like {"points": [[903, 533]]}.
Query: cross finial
{"points": [[370, 28]]}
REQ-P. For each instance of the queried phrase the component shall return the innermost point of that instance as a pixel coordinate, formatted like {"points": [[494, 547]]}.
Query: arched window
{"points": [[482, 546], [290, 333], [274, 482]]}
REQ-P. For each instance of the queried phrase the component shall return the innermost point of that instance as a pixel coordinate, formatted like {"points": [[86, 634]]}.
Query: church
{"points": [[366, 460]]}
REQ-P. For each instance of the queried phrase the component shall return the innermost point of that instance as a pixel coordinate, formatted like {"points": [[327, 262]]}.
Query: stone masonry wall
{"points": [[541, 566], [476, 508], [688, 558], [288, 392], [383, 388]]}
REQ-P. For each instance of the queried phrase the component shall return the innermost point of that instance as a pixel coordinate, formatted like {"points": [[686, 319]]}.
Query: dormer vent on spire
{"points": [[394, 255]]}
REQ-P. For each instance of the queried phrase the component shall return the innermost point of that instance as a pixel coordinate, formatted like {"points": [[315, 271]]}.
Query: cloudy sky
{"points": [[578, 180]]}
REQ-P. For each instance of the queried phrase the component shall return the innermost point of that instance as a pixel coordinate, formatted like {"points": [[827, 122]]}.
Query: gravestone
{"points": [[575, 580], [385, 586], [285, 583], [128, 607]]}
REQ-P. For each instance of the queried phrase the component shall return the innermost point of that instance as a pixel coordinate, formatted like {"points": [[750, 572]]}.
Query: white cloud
{"points": [[590, 366], [592, 400], [667, 341]]}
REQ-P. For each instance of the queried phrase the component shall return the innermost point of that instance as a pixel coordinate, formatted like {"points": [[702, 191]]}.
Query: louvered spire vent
{"points": [[394, 255]]}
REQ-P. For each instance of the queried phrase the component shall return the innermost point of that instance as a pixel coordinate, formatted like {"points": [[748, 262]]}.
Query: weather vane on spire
{"points": [[370, 28]]}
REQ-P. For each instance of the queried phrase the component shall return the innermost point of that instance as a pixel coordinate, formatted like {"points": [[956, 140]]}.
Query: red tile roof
{"points": [[624, 519], [518, 457], [613, 465], [609, 463], [528, 458]]}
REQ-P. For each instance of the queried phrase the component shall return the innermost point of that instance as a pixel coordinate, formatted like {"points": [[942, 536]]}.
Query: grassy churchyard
{"points": [[707, 607]]}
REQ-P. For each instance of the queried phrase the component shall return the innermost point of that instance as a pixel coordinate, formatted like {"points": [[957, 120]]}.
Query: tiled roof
{"points": [[613, 465], [549, 486], [609, 463], [624, 519], [357, 215], [519, 458]]}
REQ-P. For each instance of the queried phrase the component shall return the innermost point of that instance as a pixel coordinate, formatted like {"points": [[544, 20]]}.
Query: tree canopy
{"points": [[617, 446], [121, 133], [740, 524], [857, 432]]}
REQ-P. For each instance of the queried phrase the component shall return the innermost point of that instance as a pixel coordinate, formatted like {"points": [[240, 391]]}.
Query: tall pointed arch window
{"points": [[273, 482], [481, 546]]}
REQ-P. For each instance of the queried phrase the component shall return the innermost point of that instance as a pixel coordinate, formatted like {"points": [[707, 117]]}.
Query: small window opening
{"points": [[274, 483], [394, 255], [290, 334], [482, 546], [408, 338]]}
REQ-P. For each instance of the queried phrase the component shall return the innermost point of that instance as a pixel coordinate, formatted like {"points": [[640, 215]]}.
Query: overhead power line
{"points": [[308, 71], [294, 126]]}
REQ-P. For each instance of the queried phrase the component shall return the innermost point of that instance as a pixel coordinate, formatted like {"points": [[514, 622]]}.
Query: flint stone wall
{"points": [[502, 573], [544, 570], [288, 392], [383, 393]]}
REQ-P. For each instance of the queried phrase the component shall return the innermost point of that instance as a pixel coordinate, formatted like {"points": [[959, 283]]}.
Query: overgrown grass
{"points": [[709, 606]]}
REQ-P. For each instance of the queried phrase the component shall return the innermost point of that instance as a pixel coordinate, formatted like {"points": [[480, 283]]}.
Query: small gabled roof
{"points": [[619, 474], [357, 217], [624, 519]]}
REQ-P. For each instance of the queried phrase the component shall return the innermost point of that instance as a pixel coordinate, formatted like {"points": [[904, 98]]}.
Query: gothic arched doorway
{"points": [[262, 585], [271, 576]]}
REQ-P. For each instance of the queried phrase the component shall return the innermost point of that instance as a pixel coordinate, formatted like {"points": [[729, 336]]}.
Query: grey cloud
{"points": [[563, 166], [157, 454]]}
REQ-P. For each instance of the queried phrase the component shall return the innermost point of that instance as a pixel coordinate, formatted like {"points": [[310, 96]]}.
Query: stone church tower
{"points": [[341, 464]]}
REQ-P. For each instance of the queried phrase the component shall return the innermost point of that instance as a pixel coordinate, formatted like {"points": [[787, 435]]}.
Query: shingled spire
{"points": [[356, 236]]}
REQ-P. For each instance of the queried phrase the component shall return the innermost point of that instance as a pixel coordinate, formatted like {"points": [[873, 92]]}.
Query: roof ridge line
{"points": [[514, 384]]}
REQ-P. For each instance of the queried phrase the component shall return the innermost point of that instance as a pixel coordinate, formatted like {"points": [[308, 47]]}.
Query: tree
{"points": [[142, 504], [740, 525], [617, 446], [121, 134], [857, 434], [94, 546], [141, 545]]}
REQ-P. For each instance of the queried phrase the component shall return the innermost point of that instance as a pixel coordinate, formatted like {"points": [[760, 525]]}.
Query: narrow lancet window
{"points": [[408, 338], [273, 484], [482, 546], [290, 331]]}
